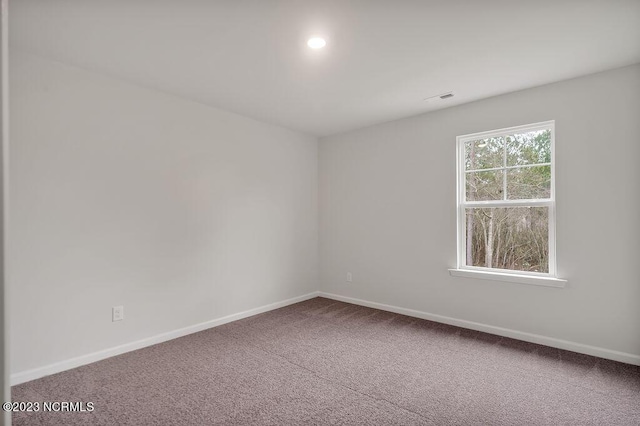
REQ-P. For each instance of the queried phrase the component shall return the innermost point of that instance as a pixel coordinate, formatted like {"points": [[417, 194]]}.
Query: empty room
{"points": [[292, 212]]}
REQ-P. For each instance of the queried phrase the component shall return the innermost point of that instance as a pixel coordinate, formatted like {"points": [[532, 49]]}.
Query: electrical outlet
{"points": [[117, 313], [349, 277]]}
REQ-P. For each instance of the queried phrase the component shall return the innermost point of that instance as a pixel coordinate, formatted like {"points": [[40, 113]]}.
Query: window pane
{"points": [[529, 183], [515, 238], [484, 153], [482, 186], [529, 148]]}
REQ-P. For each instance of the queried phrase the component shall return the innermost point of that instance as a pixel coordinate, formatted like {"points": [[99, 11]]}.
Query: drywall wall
{"points": [[5, 390], [388, 213], [122, 195]]}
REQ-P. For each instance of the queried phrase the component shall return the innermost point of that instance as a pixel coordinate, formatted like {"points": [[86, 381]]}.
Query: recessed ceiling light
{"points": [[316, 43]]}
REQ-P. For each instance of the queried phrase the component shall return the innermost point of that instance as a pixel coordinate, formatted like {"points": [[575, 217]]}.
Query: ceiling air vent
{"points": [[446, 95]]}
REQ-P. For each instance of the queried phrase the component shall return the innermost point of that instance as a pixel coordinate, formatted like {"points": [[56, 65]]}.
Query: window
{"points": [[506, 205]]}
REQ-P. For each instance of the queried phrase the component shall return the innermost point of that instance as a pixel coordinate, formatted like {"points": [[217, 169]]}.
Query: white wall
{"points": [[122, 195], [5, 390], [388, 214]]}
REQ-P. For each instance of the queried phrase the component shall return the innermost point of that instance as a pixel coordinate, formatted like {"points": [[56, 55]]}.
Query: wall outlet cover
{"points": [[117, 313]]}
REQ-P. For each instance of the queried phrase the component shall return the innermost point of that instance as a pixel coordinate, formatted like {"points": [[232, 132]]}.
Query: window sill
{"points": [[514, 278]]}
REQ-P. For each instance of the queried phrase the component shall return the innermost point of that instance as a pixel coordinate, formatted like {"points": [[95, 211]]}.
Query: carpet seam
{"points": [[327, 379]]}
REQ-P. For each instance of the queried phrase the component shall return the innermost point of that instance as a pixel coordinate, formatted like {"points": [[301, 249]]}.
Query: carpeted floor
{"points": [[328, 362]]}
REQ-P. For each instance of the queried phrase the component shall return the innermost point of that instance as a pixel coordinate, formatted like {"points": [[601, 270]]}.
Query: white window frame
{"points": [[525, 277]]}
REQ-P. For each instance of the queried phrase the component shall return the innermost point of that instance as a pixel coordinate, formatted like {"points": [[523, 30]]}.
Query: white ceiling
{"points": [[382, 57]]}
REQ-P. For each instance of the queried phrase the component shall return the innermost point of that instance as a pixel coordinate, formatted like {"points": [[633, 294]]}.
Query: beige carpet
{"points": [[327, 362]]}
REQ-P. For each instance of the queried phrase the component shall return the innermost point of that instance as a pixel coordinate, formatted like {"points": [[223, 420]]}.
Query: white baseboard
{"points": [[36, 373], [505, 332]]}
